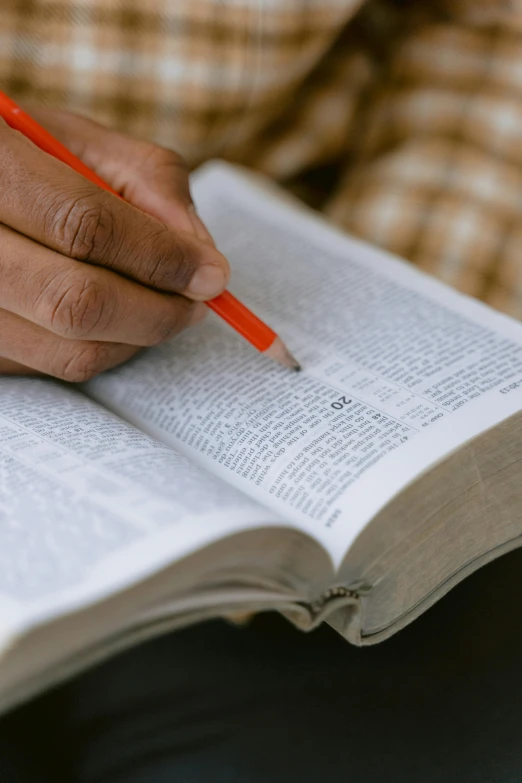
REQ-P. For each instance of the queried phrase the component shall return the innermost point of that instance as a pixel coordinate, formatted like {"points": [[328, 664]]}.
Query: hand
{"points": [[85, 278]]}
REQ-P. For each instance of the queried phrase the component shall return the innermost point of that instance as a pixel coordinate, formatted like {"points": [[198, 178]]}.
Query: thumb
{"points": [[152, 178]]}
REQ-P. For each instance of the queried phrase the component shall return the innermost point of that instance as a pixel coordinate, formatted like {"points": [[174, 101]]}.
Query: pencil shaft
{"points": [[243, 320]]}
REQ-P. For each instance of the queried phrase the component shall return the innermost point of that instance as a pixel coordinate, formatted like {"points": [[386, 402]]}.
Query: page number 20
{"points": [[341, 403]]}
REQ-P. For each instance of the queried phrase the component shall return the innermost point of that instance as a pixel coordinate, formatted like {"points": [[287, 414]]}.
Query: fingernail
{"points": [[208, 281], [201, 230], [198, 314]]}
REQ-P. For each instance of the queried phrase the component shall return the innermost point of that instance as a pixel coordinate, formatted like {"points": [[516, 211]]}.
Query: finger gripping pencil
{"points": [[230, 309]]}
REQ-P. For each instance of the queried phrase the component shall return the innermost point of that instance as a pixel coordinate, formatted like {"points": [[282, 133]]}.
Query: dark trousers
{"points": [[439, 703]]}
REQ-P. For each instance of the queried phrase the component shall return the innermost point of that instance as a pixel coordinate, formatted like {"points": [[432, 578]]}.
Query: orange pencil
{"points": [[226, 306]]}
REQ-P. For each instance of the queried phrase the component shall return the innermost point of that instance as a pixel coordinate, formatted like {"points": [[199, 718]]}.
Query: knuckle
{"points": [[78, 308], [84, 227], [163, 167], [85, 363], [157, 158]]}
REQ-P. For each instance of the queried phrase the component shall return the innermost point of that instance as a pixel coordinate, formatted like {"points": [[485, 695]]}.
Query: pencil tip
{"points": [[280, 353]]}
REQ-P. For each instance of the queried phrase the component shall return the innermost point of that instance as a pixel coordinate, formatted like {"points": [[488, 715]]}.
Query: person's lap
{"points": [[441, 701]]}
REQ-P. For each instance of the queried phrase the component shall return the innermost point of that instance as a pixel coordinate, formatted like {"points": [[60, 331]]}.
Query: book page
{"points": [[398, 370], [88, 503]]}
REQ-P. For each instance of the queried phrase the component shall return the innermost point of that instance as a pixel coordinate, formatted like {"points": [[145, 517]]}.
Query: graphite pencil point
{"points": [[280, 353]]}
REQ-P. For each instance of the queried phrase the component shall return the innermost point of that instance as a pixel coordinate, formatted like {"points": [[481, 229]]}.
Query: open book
{"points": [[201, 479]]}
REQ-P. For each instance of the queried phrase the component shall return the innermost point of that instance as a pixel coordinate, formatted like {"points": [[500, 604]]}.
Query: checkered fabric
{"points": [[417, 103]]}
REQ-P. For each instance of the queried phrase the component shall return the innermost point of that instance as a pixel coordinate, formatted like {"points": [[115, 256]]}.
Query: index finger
{"points": [[52, 204]]}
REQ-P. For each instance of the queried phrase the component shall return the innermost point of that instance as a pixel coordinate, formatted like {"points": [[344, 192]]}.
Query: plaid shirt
{"points": [[418, 103]]}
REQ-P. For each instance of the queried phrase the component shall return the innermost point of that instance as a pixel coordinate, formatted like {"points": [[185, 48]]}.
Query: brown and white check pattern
{"points": [[418, 103]]}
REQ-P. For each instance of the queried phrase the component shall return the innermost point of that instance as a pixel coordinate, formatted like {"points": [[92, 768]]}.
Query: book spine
{"points": [[334, 598]]}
